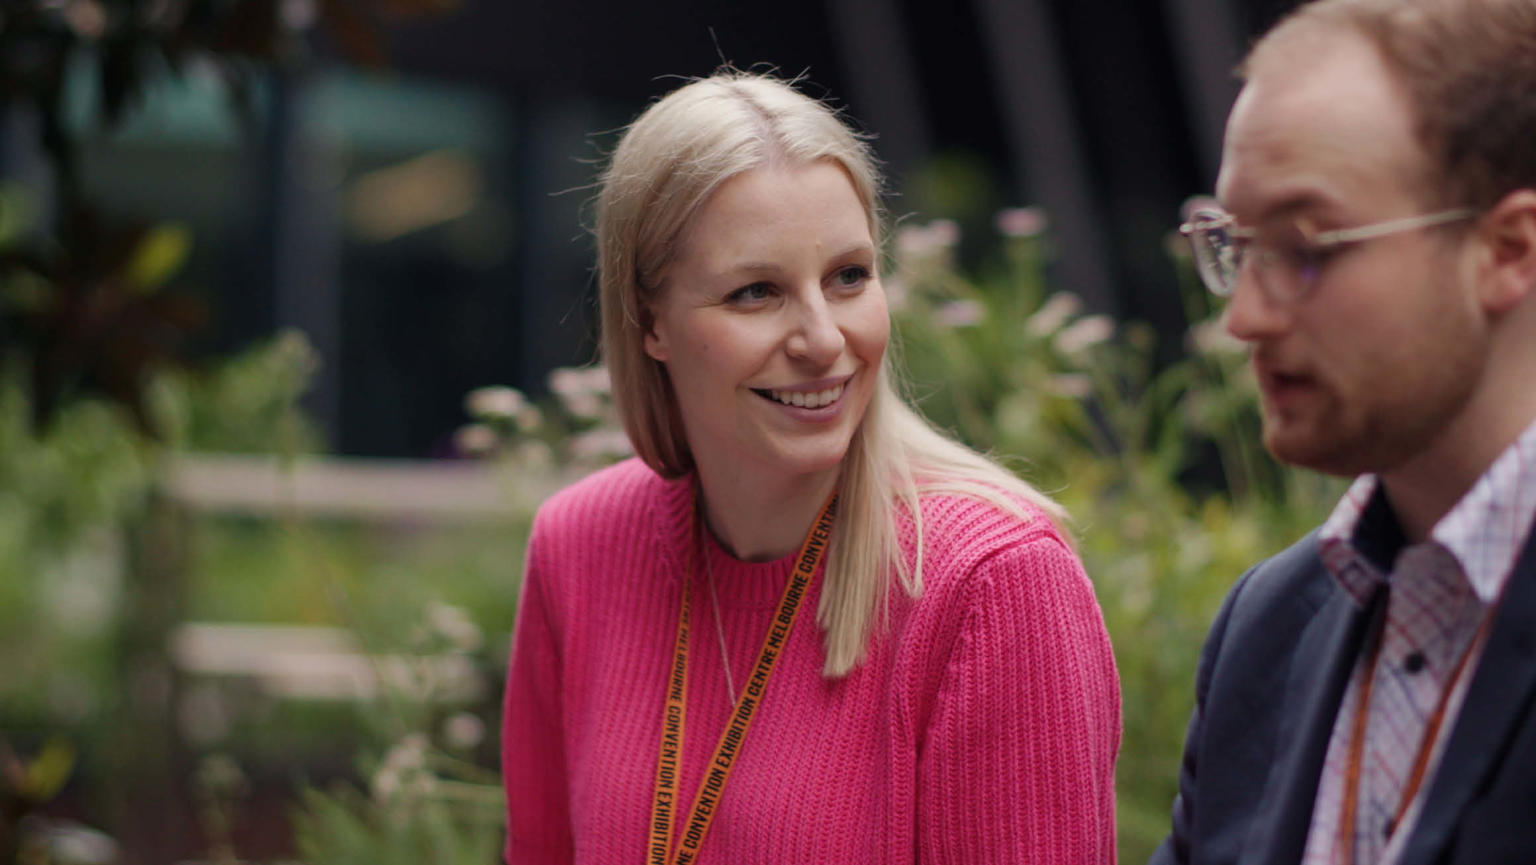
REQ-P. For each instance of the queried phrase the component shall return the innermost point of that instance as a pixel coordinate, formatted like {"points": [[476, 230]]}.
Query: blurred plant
{"points": [[220, 787], [89, 312], [437, 820], [576, 427], [90, 324], [26, 785], [1125, 445], [429, 799], [66, 491], [26, 836], [959, 189], [247, 403]]}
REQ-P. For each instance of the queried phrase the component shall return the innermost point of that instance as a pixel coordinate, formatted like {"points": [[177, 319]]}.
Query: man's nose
{"points": [[1251, 314]]}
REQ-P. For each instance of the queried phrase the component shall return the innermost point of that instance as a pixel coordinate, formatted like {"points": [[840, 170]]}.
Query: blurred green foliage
{"points": [[430, 797], [244, 404], [1171, 496], [95, 399], [68, 491], [63, 496]]}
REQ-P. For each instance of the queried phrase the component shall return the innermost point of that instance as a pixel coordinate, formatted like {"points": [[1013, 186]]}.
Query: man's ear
{"points": [[1509, 229]]}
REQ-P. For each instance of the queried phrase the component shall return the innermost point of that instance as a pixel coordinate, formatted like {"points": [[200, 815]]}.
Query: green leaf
{"points": [[18, 212], [159, 257], [47, 773]]}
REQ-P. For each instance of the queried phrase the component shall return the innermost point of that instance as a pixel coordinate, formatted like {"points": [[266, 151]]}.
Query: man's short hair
{"points": [[1468, 68]]}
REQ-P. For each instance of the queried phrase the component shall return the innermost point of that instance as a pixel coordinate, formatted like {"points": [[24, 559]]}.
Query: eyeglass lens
{"points": [[1218, 256]]}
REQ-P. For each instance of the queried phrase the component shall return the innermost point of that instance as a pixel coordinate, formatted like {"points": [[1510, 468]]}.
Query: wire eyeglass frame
{"points": [[1221, 246]]}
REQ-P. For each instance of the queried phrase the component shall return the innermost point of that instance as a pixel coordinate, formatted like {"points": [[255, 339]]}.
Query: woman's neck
{"points": [[757, 518]]}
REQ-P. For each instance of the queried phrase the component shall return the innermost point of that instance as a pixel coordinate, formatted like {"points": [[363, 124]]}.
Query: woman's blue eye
{"points": [[748, 293], [851, 276]]}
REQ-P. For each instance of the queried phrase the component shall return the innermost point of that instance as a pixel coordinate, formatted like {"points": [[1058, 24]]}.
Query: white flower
{"points": [[494, 403], [1052, 314], [1021, 222], [960, 313], [583, 404], [923, 241], [595, 379], [454, 625], [896, 291], [944, 233], [1210, 337], [582, 391], [1085, 333], [293, 350], [564, 380], [601, 443], [385, 784], [408, 753], [530, 418], [474, 440], [1074, 385], [463, 730]]}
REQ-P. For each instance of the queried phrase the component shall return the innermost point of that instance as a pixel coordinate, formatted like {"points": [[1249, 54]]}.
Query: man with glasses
{"points": [[1369, 695]]}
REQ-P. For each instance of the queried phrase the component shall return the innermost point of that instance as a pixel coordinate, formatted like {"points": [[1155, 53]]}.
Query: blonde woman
{"points": [[801, 626]]}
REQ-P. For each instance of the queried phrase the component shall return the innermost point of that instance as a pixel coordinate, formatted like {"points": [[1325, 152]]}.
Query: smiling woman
{"points": [[772, 330], [958, 701]]}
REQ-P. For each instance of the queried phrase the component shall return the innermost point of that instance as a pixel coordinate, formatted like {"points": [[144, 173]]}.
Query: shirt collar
{"points": [[1343, 545], [1485, 531]]}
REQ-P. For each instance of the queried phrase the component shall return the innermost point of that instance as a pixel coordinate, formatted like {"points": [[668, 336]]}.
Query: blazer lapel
{"points": [[1320, 668], [1494, 705]]}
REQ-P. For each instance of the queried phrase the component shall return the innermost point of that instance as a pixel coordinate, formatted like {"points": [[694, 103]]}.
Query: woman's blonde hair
{"points": [[666, 165]]}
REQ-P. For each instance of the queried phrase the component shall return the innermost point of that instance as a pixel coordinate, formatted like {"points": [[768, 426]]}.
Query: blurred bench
{"points": [[355, 488], [325, 662], [312, 662]]}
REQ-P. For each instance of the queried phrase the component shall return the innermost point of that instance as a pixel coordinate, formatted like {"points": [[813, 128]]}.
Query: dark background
{"points": [[1106, 113]]}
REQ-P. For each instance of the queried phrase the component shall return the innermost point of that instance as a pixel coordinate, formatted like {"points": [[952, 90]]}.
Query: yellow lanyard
{"points": [[664, 802]]}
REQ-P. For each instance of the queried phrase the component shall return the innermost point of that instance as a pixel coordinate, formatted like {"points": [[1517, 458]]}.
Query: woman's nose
{"points": [[816, 335]]}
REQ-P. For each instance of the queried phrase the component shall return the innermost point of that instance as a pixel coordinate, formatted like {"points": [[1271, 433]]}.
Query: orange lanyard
{"points": [[1345, 841], [664, 801]]}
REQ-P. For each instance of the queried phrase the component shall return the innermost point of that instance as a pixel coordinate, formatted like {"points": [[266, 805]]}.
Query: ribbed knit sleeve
{"points": [[1018, 761], [533, 758]]}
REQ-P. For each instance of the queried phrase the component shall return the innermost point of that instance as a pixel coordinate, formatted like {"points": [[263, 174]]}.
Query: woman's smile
{"points": [[816, 395]]}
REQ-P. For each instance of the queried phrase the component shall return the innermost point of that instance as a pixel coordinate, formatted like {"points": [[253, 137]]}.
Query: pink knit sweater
{"points": [[982, 727]]}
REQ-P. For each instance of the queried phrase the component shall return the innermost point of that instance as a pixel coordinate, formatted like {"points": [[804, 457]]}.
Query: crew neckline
{"points": [[740, 584]]}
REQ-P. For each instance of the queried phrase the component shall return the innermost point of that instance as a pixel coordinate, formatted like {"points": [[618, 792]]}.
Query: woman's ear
{"points": [[655, 337], [1509, 229]]}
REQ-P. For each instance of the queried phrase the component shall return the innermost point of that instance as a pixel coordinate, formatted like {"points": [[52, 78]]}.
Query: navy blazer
{"points": [[1270, 681]]}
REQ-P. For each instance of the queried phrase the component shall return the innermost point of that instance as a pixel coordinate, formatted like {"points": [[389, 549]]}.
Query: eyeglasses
{"points": [[1288, 262]]}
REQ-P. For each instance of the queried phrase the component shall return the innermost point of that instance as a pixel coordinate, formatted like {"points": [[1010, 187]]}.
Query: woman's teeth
{"points": [[814, 399]]}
